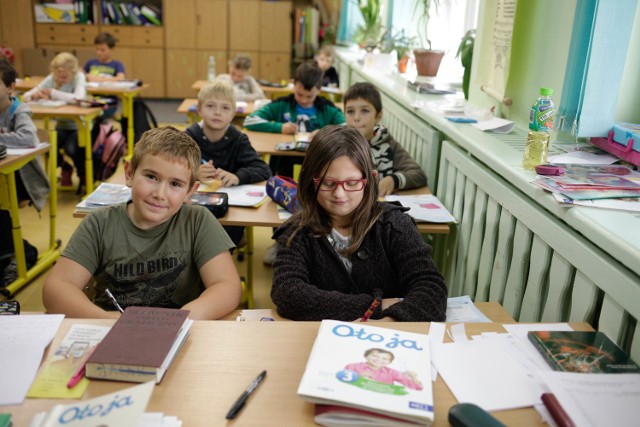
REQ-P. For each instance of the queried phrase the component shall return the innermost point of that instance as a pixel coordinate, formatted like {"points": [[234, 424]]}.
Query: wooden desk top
{"points": [[187, 103], [66, 111], [107, 90], [14, 162], [269, 90], [221, 358], [265, 143]]}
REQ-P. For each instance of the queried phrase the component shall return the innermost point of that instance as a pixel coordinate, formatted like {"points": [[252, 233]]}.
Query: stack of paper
{"points": [[425, 208]]}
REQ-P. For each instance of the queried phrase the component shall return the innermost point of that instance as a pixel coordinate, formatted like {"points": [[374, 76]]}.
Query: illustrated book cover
{"points": [[383, 372], [141, 345], [105, 195], [423, 207], [579, 351], [123, 408]]}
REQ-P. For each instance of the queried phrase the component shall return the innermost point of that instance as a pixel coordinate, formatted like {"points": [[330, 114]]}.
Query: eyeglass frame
{"points": [[318, 182]]}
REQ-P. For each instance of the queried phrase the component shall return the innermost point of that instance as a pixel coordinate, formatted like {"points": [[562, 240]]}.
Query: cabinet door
{"points": [[244, 25], [202, 63], [123, 33], [178, 19], [148, 66], [16, 28], [82, 35], [275, 26], [55, 34], [275, 67], [211, 24], [181, 72]]}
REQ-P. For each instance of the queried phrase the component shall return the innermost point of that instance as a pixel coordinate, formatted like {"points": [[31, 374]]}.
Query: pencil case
{"points": [[283, 191]]}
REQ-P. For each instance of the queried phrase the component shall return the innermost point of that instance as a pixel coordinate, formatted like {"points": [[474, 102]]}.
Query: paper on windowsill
{"points": [[495, 124], [583, 158]]}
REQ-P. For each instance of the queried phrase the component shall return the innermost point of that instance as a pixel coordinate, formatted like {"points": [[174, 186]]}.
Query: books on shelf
{"points": [[578, 351], [384, 374], [141, 345], [105, 195], [423, 207], [124, 408]]}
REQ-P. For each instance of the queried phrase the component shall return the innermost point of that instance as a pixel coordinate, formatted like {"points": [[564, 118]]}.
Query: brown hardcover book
{"points": [[140, 346], [578, 351]]}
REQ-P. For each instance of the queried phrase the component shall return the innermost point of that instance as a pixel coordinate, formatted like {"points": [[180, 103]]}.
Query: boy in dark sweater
{"points": [[227, 154]]}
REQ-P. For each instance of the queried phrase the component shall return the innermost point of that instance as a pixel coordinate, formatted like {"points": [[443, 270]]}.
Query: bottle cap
{"points": [[546, 91]]}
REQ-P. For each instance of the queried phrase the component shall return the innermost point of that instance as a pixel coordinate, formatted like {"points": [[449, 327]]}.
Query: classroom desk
{"points": [[219, 360], [126, 95], [334, 94], [26, 84], [9, 201], [189, 103], [83, 117]]}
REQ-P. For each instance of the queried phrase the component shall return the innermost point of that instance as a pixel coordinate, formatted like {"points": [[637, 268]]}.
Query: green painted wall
{"points": [[628, 109]]}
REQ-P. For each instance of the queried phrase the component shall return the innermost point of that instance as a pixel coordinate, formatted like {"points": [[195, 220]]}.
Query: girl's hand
{"points": [[385, 187], [228, 179], [207, 172]]}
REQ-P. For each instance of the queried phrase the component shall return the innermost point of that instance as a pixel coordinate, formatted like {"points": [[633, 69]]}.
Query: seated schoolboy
{"points": [[227, 154], [64, 83], [104, 68], [246, 87], [324, 59], [344, 246], [154, 250], [397, 169], [302, 111], [18, 131]]}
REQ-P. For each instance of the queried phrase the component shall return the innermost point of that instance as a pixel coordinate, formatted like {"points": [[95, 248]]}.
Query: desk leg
{"points": [[84, 140], [249, 279], [127, 111], [16, 232]]}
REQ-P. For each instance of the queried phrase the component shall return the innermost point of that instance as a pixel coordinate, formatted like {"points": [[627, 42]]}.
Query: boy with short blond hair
{"points": [[397, 169], [324, 59], [227, 154], [246, 87], [154, 250]]}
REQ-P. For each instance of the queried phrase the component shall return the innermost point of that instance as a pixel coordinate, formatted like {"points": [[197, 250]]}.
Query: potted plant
{"points": [[465, 52], [427, 59], [401, 43], [367, 35]]}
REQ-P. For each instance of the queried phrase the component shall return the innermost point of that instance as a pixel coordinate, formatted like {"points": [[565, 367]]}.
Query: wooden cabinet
{"points": [[66, 34], [16, 28]]}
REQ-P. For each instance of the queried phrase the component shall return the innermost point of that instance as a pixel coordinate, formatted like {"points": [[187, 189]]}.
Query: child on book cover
{"points": [[375, 368], [342, 245], [66, 82], [154, 250], [227, 154]]}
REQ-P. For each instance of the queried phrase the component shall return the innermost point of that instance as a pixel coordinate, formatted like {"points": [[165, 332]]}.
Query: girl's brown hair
{"points": [[330, 143]]}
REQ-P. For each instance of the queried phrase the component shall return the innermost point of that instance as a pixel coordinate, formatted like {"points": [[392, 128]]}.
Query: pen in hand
{"points": [[237, 406], [376, 302], [113, 300]]}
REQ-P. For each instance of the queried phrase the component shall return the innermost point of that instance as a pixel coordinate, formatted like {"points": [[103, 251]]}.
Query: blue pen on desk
{"points": [[461, 120]]}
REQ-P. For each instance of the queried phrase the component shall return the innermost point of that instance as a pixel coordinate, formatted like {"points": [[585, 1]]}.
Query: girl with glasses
{"points": [[344, 247]]}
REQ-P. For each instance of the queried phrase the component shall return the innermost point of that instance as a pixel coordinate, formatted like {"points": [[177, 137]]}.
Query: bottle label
{"points": [[542, 115]]}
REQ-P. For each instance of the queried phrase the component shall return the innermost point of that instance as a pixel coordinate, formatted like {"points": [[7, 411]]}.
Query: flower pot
{"points": [[402, 64], [428, 61]]}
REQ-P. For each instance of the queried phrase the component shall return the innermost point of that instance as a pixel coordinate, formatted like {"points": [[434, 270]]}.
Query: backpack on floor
{"points": [[143, 119], [108, 148]]}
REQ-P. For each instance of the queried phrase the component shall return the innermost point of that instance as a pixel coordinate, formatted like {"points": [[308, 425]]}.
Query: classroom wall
{"points": [[541, 39]]}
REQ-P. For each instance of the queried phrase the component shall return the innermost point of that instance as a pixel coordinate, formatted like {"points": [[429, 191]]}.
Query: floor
{"points": [[35, 229]]}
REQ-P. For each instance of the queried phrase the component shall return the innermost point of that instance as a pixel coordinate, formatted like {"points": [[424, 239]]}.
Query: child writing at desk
{"points": [[396, 167], [245, 86], [227, 154], [343, 246], [64, 83], [18, 131], [154, 250]]}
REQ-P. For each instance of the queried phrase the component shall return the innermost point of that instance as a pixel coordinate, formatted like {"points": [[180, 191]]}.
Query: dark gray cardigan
{"points": [[310, 281]]}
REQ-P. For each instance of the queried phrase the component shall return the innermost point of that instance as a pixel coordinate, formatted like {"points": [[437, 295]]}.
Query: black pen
{"points": [[237, 406]]}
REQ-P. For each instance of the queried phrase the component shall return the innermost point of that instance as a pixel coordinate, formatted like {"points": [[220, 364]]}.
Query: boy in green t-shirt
{"points": [[154, 250]]}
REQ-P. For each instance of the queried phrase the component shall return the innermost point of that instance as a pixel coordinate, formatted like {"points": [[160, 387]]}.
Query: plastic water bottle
{"points": [[540, 126], [211, 68]]}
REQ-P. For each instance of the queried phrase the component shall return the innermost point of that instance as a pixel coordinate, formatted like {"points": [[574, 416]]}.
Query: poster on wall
{"points": [[495, 55]]}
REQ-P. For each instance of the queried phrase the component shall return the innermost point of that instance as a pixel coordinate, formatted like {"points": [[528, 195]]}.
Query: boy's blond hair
{"points": [[217, 89], [325, 50], [66, 61], [241, 62], [170, 144]]}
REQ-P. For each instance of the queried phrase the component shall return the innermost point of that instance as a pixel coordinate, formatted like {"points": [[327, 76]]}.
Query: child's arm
{"points": [[23, 133], [406, 169], [37, 93], [337, 116], [222, 289], [79, 90], [63, 292], [252, 168], [269, 118]]}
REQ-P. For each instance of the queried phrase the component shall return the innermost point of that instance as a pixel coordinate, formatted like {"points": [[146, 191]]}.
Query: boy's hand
{"points": [[386, 186], [228, 179], [207, 172], [289, 128]]}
